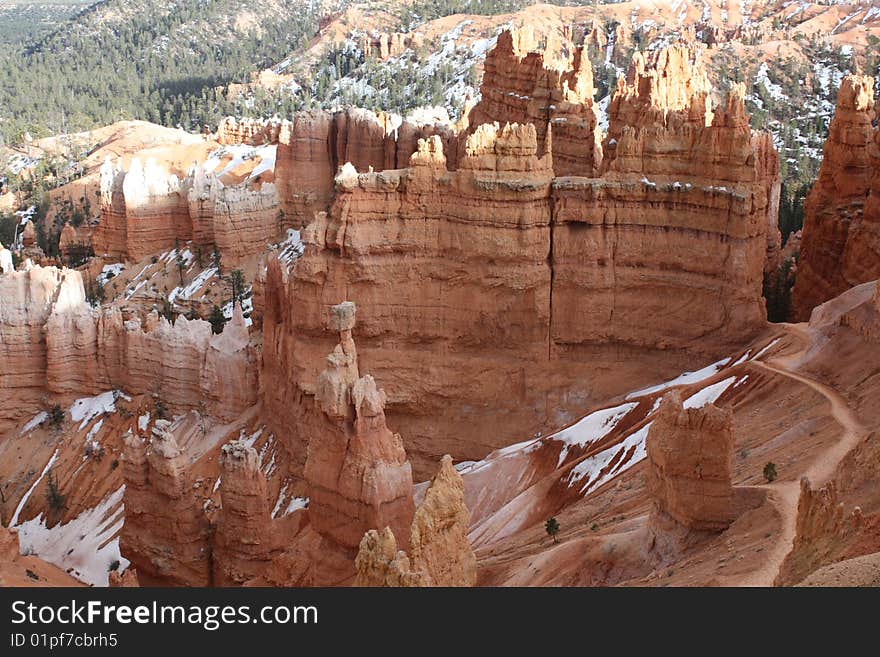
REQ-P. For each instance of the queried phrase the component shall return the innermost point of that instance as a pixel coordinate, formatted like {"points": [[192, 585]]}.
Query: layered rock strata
{"points": [[841, 235], [27, 300], [687, 201], [81, 350], [237, 221], [146, 210], [314, 145], [661, 255], [436, 241], [142, 211]]}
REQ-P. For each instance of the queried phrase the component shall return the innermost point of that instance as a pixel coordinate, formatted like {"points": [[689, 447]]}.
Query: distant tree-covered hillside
{"points": [[24, 20], [155, 60]]}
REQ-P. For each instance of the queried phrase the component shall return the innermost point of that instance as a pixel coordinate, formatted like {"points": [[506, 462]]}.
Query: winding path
{"points": [[785, 495]]}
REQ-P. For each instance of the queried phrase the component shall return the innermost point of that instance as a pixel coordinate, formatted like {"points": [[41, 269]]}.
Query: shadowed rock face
{"points": [[690, 461], [841, 236]]}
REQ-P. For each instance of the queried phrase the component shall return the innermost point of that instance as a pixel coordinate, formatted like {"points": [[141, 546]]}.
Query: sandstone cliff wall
{"points": [[315, 144], [451, 263], [841, 235], [27, 299], [487, 288], [238, 221], [89, 351], [53, 341], [146, 211]]}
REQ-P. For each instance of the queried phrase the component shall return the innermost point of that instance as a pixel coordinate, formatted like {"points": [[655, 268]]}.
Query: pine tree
{"points": [[552, 529], [217, 320], [54, 498]]}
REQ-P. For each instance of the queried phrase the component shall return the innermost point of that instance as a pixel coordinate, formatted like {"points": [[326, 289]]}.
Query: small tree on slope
{"points": [[552, 529]]}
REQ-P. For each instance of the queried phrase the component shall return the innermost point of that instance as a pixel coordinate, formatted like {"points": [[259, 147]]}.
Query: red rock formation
{"points": [[668, 89], [823, 531], [228, 379], [145, 211], [521, 85], [314, 145], [357, 473], [166, 535], [441, 554], [385, 46], [27, 299], [481, 232], [865, 317], [841, 235], [242, 542], [73, 352], [304, 167], [156, 213], [678, 176], [567, 271], [90, 351], [28, 235], [239, 221], [128, 579], [256, 132], [110, 236], [690, 463]]}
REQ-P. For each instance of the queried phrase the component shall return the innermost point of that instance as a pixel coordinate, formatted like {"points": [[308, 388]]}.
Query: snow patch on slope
{"points": [[86, 409], [86, 547]]}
